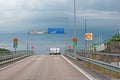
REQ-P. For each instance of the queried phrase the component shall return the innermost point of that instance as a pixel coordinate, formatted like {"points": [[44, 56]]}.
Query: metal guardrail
{"points": [[96, 62], [107, 54], [13, 57]]}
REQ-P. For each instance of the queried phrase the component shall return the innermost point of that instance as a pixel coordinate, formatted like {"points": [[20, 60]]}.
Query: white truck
{"points": [[54, 51]]}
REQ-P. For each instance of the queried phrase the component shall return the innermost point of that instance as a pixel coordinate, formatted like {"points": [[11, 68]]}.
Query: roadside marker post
{"points": [[33, 48], [75, 40], [15, 43]]}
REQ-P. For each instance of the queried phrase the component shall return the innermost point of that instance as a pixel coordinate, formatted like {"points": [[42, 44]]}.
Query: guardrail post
{"points": [[117, 60]]}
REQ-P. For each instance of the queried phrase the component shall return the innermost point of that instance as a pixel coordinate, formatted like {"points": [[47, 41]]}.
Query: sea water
{"points": [[42, 43]]}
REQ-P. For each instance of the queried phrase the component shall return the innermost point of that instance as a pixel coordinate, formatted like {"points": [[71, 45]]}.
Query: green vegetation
{"points": [[4, 52], [115, 38], [1, 49]]}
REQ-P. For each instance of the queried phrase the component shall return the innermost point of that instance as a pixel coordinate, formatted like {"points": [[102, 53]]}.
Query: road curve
{"points": [[41, 67]]}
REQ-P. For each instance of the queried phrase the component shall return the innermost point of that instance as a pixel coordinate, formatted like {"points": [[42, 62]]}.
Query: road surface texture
{"points": [[88, 70], [41, 67]]}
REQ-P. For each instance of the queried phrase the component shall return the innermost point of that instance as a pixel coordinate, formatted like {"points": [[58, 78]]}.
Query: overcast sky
{"points": [[25, 15]]}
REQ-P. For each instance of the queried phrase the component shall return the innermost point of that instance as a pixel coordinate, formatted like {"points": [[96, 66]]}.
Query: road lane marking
{"points": [[38, 58], [71, 57], [79, 69]]}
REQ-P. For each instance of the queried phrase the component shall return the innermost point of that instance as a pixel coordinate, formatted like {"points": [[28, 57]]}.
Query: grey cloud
{"points": [[25, 14], [109, 5]]}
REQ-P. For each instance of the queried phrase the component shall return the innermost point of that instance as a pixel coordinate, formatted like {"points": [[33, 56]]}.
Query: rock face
{"points": [[113, 47]]}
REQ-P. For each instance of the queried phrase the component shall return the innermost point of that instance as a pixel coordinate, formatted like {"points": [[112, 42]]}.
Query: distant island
{"points": [[2, 49], [4, 52]]}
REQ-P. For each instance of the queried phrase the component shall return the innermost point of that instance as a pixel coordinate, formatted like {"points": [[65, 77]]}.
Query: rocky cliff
{"points": [[113, 44], [112, 47]]}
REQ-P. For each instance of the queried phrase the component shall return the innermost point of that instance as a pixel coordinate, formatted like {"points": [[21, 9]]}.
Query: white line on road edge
{"points": [[79, 69], [13, 64], [71, 57]]}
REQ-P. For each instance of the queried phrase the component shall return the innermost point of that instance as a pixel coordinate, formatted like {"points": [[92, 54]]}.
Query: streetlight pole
{"points": [[27, 43], [85, 39], [74, 19], [75, 45], [118, 31], [66, 33]]}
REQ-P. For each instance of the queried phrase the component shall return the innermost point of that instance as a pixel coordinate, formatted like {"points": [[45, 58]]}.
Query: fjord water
{"points": [[42, 43]]}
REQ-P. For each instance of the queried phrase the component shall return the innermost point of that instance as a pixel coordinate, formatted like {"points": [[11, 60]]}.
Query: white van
{"points": [[54, 51]]}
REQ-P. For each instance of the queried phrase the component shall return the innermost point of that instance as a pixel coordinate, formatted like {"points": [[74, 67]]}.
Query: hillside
{"points": [[113, 44], [4, 52], [1, 50]]}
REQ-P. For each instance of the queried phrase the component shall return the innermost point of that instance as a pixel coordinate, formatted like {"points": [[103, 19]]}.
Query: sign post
{"points": [[75, 42], [15, 41], [69, 47], [32, 48], [88, 36]]}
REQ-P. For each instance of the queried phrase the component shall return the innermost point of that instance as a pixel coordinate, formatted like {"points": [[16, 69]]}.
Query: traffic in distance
{"points": [[55, 51]]}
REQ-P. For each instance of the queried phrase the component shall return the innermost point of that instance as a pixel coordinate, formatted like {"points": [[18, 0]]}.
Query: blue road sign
{"points": [[55, 30]]}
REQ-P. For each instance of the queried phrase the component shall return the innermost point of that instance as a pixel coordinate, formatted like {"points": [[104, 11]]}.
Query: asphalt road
{"points": [[41, 67]]}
